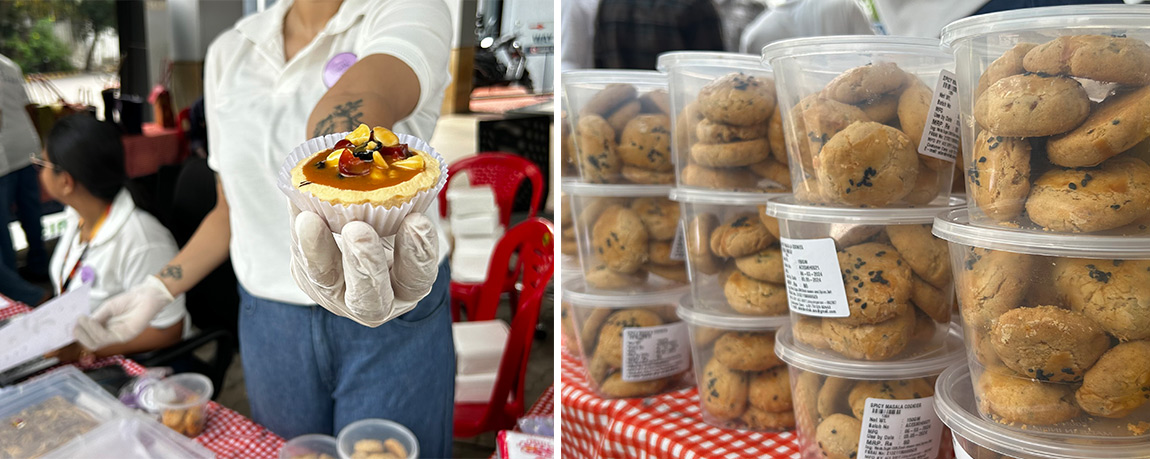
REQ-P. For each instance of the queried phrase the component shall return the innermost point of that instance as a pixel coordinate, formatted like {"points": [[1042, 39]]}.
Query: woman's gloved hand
{"points": [[123, 317], [364, 277]]}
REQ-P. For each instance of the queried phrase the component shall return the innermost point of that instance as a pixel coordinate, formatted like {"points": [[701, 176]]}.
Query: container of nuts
{"points": [[624, 234], [1055, 104], [975, 437], [181, 401], [1057, 327], [732, 252], [621, 126], [742, 383], [376, 439], [633, 345], [727, 133], [865, 284], [856, 119], [847, 408]]}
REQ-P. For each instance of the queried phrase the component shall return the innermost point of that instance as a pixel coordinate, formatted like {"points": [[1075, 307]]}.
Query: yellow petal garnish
{"points": [[333, 158], [385, 136], [377, 160], [372, 145], [414, 163], [360, 135]]}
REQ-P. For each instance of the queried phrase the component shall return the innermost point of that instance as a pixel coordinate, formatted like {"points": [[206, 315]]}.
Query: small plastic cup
{"points": [[728, 136], [632, 345], [975, 437], [376, 436], [1056, 327], [855, 111], [310, 446], [743, 384], [181, 401], [867, 284], [625, 234], [851, 408], [1073, 159], [620, 126], [732, 251]]}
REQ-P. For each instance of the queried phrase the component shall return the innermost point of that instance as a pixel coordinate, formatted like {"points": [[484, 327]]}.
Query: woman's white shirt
{"points": [[128, 247], [257, 108]]}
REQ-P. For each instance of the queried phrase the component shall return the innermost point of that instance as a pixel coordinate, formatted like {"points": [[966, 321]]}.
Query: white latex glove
{"points": [[362, 276], [124, 316]]}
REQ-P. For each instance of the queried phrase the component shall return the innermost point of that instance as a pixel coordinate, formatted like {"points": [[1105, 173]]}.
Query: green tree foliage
{"points": [[26, 30]]}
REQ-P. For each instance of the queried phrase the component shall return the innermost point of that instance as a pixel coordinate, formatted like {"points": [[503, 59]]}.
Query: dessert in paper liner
{"points": [[384, 210]]}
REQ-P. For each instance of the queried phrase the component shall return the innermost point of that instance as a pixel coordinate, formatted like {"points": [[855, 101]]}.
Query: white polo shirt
{"points": [[257, 108], [18, 137], [128, 247]]}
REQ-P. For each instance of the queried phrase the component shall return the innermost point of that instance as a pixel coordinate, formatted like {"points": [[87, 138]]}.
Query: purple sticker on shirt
{"points": [[87, 274], [335, 68]]}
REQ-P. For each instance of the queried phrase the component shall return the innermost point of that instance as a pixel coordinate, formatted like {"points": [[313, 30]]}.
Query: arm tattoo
{"points": [[344, 117], [174, 272]]}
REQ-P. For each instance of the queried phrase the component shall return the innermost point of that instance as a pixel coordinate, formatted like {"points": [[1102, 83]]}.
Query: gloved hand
{"points": [[364, 277], [124, 316]]}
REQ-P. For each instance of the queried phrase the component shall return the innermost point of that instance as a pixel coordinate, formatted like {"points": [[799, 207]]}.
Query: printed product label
{"points": [[900, 429], [655, 352], [959, 453], [814, 281], [941, 136], [679, 244]]}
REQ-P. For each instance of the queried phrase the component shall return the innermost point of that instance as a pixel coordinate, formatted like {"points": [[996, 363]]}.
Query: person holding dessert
{"points": [[344, 292]]}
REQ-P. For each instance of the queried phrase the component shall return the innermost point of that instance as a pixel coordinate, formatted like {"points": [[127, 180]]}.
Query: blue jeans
{"points": [[15, 287], [310, 371], [22, 188]]}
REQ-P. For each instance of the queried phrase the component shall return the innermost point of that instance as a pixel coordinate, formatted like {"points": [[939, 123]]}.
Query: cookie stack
{"points": [[1052, 257]]}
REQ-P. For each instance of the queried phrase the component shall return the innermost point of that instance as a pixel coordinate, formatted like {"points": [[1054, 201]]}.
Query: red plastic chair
{"points": [[504, 172], [533, 241]]}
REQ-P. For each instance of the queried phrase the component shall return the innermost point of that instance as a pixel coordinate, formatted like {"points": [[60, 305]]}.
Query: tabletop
{"points": [[227, 433], [663, 426], [156, 146]]}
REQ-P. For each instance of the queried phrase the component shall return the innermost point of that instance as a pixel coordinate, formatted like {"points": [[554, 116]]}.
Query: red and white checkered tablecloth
{"points": [[228, 434], [663, 426]]}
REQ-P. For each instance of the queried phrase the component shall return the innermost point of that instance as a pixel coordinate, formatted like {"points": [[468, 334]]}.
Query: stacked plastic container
{"points": [[619, 304], [869, 288], [1052, 256]]}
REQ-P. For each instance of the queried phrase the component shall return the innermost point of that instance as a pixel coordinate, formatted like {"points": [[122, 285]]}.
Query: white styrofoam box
{"points": [[470, 200], [479, 345], [474, 388], [476, 225], [470, 258]]}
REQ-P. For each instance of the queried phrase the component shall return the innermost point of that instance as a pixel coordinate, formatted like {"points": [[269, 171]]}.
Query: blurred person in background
{"points": [[630, 34], [18, 183], [805, 18], [578, 18], [925, 18]]}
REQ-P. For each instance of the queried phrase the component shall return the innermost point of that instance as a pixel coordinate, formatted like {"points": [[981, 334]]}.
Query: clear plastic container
{"points": [[633, 345], [181, 401], [732, 251], [620, 126], [368, 436], [1057, 327], [47, 413], [868, 284], [310, 446], [848, 408], [1073, 160], [624, 234], [854, 112], [977, 438], [133, 437], [726, 130], [743, 384]]}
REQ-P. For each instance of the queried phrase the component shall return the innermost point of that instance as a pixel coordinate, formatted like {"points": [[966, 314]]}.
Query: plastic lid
{"points": [[623, 191], [576, 294], [955, 404], [1054, 18], [706, 58], [955, 227], [730, 198], [177, 392], [603, 76], [728, 320], [134, 437], [928, 364], [379, 429], [860, 44], [310, 444], [786, 208]]}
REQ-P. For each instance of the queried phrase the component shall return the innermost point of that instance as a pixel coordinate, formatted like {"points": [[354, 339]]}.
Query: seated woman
{"points": [[107, 240]]}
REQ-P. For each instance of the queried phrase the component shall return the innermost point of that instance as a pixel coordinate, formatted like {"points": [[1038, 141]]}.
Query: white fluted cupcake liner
{"points": [[385, 220]]}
